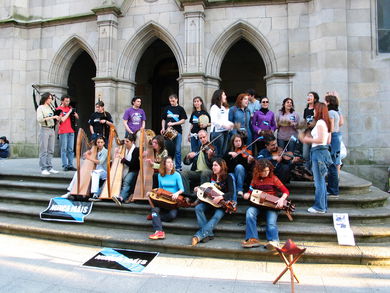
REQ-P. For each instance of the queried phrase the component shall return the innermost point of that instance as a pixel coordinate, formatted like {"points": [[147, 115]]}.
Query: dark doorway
{"points": [[241, 69], [81, 88], [156, 79]]}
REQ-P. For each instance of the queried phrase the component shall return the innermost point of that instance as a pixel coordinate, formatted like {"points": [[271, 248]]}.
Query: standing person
{"points": [[169, 180], [174, 116], [4, 147], [263, 121], [254, 104], [220, 124], [131, 167], [322, 163], [335, 122], [224, 183], [47, 120], [198, 109], [134, 117], [240, 116], [100, 122], [264, 180], [287, 120], [66, 133], [308, 115]]}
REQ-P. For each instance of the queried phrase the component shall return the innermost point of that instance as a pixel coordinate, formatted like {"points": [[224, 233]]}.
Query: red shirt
{"points": [[66, 126], [269, 185]]}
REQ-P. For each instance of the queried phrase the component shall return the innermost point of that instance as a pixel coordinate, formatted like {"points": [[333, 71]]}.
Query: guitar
{"points": [[207, 192], [263, 199]]}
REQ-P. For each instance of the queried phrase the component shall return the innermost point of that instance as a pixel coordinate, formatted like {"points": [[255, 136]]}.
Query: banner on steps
{"points": [[64, 210], [343, 229], [122, 259]]}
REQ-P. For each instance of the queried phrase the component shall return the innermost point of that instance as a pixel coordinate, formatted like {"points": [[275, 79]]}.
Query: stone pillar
{"points": [[105, 81], [279, 87], [125, 92]]}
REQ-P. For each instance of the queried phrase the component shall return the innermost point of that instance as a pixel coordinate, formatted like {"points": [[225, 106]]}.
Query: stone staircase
{"points": [[23, 197]]}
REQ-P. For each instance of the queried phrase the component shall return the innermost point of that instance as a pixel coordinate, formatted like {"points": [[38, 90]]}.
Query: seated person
{"points": [[131, 167], [221, 179], [99, 174], [264, 180], [4, 147], [274, 154], [169, 180], [159, 152], [201, 163], [239, 162]]}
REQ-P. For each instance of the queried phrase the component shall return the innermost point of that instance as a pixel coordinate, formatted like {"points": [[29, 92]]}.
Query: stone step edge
{"points": [[360, 257], [224, 227]]}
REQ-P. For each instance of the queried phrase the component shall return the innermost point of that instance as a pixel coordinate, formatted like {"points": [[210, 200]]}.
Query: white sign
{"points": [[344, 231]]}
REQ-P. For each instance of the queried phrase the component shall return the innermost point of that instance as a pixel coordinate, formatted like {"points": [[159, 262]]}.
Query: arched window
{"points": [[383, 28]]}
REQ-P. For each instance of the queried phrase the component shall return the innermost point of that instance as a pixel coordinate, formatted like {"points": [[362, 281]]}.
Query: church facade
{"points": [[115, 50]]}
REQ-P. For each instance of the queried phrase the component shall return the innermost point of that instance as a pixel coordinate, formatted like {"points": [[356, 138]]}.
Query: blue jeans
{"points": [[177, 142], [291, 145], [128, 185], [271, 230], [239, 175], [322, 165], [66, 145], [220, 143], [207, 227], [159, 215], [195, 144], [335, 146], [306, 155]]}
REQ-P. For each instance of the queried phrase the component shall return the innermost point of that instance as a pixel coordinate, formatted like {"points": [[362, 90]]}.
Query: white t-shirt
{"points": [[315, 134], [219, 118]]}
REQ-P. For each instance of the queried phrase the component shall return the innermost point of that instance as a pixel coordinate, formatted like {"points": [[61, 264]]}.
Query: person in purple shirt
{"points": [[134, 117], [263, 120]]}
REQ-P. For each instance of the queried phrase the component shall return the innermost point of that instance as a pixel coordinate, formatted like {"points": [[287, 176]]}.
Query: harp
{"points": [[113, 184], [145, 175], [84, 166]]}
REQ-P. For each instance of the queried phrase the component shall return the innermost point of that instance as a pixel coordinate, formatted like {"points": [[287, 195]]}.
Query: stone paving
{"points": [[31, 265]]}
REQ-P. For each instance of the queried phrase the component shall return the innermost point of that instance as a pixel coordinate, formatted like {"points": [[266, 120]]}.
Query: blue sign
{"points": [[64, 210]]}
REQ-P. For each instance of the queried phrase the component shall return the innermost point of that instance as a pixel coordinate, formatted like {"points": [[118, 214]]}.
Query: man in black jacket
{"points": [[131, 167], [201, 163]]}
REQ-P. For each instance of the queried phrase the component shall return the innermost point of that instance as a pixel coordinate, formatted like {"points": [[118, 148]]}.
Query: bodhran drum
{"points": [[170, 133]]}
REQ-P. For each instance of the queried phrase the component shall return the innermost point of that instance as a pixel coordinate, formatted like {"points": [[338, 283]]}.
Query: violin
{"points": [[287, 156], [244, 152]]}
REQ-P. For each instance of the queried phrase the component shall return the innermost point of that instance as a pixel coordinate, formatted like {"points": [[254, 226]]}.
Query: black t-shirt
{"points": [[99, 128], [308, 115], [173, 114], [195, 122]]}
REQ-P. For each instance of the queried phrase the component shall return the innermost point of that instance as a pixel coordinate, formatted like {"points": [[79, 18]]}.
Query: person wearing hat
{"points": [[4, 147]]}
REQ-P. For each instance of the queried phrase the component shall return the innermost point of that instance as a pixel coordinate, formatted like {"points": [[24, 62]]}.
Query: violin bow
{"points": [[201, 148], [285, 148]]}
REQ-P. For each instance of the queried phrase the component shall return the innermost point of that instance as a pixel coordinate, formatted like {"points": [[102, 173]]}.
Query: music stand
{"points": [[290, 253]]}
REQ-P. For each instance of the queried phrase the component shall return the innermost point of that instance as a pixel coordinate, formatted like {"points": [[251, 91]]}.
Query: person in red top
{"points": [[66, 133], [264, 180]]}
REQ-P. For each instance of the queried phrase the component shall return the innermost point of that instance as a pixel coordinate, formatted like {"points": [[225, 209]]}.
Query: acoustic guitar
{"points": [[207, 192]]}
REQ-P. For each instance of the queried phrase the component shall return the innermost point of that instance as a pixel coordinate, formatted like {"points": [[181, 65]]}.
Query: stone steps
{"points": [[23, 197], [317, 252], [230, 226]]}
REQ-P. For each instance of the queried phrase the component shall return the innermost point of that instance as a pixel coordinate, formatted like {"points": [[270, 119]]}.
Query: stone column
{"points": [[279, 87], [105, 81], [125, 92]]}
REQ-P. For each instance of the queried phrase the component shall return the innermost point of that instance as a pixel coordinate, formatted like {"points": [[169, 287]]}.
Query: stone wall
{"points": [[315, 45]]}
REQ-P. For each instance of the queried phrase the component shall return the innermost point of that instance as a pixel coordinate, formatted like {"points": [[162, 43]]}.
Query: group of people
{"points": [[247, 148]]}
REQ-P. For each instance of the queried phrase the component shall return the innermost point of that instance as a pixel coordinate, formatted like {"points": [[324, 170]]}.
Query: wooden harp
{"points": [[112, 186], [84, 166], [145, 175]]}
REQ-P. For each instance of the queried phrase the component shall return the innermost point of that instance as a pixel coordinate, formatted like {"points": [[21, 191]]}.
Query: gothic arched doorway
{"points": [[156, 79], [241, 69], [81, 87]]}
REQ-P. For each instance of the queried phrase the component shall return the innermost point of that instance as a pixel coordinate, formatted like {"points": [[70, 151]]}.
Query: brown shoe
{"points": [[251, 242], [195, 241]]}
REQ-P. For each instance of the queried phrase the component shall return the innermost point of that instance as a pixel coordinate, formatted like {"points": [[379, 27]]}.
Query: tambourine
{"points": [[170, 133], [203, 120]]}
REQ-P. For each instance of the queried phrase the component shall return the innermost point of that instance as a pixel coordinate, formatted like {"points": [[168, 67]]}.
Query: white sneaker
{"points": [[240, 194], [314, 211], [271, 245], [45, 172], [53, 171], [66, 195]]}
